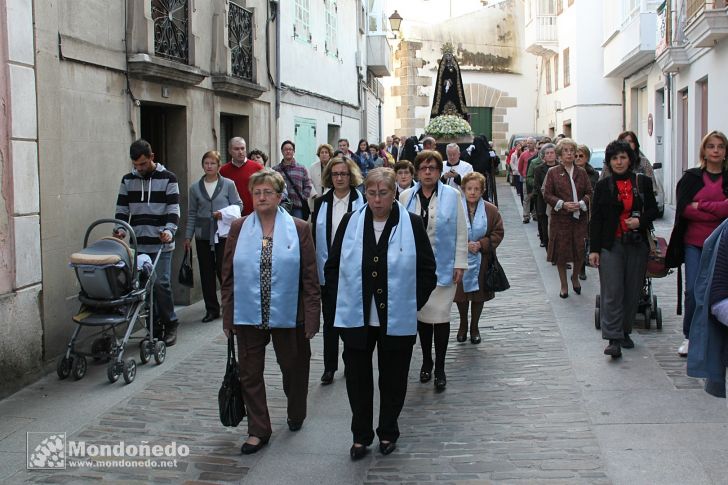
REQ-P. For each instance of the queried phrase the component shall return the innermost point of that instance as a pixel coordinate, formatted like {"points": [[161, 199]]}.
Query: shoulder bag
{"points": [[495, 277], [230, 396], [185, 276]]}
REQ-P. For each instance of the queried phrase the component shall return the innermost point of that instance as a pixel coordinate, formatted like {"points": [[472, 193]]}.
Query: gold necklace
{"points": [[266, 237]]}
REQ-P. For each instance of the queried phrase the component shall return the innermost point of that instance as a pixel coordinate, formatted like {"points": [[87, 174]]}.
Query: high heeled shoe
{"points": [[474, 339], [462, 337]]}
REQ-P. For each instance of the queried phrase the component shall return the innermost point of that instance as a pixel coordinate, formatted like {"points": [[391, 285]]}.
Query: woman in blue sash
{"points": [[380, 271], [262, 252], [442, 211], [485, 233], [343, 176]]}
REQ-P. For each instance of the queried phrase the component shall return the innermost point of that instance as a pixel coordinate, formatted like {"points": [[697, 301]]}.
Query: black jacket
{"points": [[606, 209], [374, 277], [689, 184], [329, 198]]}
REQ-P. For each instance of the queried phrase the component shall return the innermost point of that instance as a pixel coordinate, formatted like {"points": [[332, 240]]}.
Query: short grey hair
{"points": [[543, 149], [452, 145], [236, 139], [428, 140], [383, 175]]}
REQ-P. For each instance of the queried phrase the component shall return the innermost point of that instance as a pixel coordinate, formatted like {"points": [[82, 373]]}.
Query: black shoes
{"points": [[577, 290], [627, 342], [358, 452], [170, 333], [327, 377], [425, 375], [387, 448], [248, 449], [440, 383], [462, 337], [613, 349], [293, 425], [564, 295], [210, 317], [474, 339]]}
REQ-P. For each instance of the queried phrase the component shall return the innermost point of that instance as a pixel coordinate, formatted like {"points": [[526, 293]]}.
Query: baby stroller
{"points": [[116, 300]]}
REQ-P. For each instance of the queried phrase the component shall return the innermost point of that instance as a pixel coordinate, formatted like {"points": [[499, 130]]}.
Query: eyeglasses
{"points": [[264, 193], [339, 174], [373, 194], [428, 168]]}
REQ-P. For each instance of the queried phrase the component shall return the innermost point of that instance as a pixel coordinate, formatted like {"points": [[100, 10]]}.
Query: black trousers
{"points": [[210, 268], [331, 338], [393, 371], [543, 229]]}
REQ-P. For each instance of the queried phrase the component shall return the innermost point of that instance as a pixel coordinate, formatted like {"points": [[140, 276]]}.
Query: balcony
{"points": [[540, 35], [379, 55], [160, 46], [633, 47], [707, 22], [673, 58]]}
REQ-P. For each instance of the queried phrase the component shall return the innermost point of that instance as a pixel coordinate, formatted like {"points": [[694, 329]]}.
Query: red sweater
{"points": [[241, 176], [712, 210]]}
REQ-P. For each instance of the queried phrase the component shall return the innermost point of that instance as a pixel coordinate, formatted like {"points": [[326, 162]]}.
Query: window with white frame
{"points": [[302, 26], [332, 45]]}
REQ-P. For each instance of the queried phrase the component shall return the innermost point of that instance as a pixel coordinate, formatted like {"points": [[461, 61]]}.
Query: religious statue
{"points": [[449, 96]]}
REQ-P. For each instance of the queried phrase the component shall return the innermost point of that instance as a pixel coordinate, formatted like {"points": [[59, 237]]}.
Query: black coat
{"points": [[374, 277], [606, 209], [689, 184], [329, 198]]}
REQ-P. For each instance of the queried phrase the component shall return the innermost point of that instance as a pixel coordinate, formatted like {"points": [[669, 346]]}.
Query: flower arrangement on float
{"points": [[448, 126]]}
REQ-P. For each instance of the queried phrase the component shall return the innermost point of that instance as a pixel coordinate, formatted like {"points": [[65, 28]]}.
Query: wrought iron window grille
{"points": [[240, 41], [171, 29]]}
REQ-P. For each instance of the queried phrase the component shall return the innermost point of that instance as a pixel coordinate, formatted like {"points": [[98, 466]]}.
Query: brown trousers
{"points": [[293, 353]]}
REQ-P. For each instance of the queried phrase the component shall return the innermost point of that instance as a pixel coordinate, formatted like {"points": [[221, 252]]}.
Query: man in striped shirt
{"points": [[149, 201]]}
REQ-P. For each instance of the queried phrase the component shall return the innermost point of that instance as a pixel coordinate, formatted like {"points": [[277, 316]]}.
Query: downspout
{"points": [[624, 104]]}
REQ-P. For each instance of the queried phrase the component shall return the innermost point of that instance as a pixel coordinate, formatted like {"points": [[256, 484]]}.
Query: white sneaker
{"points": [[682, 351]]}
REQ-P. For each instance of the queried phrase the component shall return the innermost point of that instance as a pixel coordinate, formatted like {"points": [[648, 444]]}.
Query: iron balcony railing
{"points": [[240, 41], [171, 36]]}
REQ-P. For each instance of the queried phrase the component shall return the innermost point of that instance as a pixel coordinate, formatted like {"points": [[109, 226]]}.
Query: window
{"points": [[302, 27], [567, 74], [559, 7], [331, 46], [547, 70], [556, 72], [703, 116]]}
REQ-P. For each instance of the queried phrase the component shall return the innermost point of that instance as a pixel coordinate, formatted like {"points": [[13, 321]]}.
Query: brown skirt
{"points": [[479, 296], [566, 239]]}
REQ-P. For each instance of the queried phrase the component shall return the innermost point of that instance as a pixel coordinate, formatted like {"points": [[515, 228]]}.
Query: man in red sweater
{"points": [[239, 170]]}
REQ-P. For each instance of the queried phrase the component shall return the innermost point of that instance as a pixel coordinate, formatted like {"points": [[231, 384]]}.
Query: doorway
{"points": [[481, 121], [232, 126], [305, 140], [683, 130], [165, 128]]}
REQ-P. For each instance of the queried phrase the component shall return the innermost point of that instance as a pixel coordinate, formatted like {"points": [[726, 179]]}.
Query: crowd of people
{"points": [[384, 239]]}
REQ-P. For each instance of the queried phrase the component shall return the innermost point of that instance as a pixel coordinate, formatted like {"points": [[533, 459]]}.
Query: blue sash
{"points": [[322, 248], [446, 229], [286, 266], [476, 231], [401, 276]]}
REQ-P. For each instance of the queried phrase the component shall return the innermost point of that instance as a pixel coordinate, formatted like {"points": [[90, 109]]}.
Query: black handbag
{"points": [[230, 396], [186, 277], [495, 277]]}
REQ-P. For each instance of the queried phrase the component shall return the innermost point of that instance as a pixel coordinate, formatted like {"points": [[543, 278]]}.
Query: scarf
{"points": [[322, 232], [477, 228]]}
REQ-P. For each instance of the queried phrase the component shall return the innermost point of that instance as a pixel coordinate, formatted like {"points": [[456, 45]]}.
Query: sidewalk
{"points": [[536, 402]]}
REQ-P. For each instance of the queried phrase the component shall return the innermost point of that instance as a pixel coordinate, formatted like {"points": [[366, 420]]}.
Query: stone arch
{"points": [[484, 96]]}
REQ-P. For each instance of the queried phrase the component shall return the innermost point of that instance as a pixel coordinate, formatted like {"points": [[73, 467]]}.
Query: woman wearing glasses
{"points": [[269, 263], [343, 176], [442, 212], [380, 272]]}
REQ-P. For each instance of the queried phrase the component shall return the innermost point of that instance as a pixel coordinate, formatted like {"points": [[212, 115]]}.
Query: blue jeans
{"points": [[692, 265], [163, 300]]}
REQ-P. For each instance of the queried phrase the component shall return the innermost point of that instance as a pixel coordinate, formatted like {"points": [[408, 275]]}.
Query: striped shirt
{"points": [[150, 205]]}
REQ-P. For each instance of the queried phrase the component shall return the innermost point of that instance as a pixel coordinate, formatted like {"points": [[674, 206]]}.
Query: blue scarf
{"points": [[286, 265], [446, 225], [322, 232], [477, 228], [401, 276]]}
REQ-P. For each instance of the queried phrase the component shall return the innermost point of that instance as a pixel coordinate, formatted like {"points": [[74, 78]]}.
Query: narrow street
{"points": [[536, 402]]}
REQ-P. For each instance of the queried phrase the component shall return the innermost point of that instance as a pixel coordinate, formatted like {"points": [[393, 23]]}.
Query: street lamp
{"points": [[395, 20]]}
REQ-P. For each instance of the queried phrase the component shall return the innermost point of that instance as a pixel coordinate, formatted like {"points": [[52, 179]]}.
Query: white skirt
{"points": [[437, 309]]}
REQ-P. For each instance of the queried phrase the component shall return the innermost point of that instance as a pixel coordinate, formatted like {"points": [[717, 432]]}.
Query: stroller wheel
{"points": [[654, 303], [79, 367], [129, 371], [113, 371], [145, 351], [648, 317], [63, 367], [598, 302], [160, 351], [597, 318], [658, 318]]}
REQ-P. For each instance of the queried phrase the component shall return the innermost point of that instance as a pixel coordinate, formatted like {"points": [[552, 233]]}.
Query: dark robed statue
{"points": [[449, 96]]}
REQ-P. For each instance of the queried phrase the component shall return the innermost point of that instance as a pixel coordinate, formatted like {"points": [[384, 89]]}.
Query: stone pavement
{"points": [[536, 402]]}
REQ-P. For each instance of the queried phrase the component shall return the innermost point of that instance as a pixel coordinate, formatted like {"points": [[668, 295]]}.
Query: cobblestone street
{"points": [[536, 402]]}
